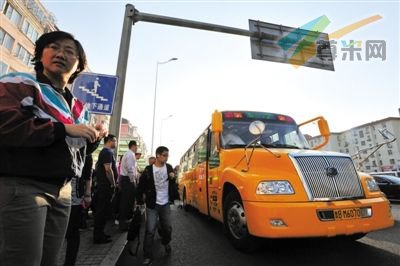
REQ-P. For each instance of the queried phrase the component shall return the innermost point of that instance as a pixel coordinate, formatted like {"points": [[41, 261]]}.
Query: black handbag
{"points": [[134, 231]]}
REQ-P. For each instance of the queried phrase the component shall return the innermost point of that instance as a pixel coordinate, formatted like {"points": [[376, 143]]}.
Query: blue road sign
{"points": [[97, 91]]}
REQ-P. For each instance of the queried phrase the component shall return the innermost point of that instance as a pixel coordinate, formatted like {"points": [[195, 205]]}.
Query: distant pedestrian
{"points": [[157, 184], [127, 185], [152, 160], [42, 129], [138, 155], [106, 172]]}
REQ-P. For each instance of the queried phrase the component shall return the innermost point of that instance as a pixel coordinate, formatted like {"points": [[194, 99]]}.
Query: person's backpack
{"points": [[134, 230]]}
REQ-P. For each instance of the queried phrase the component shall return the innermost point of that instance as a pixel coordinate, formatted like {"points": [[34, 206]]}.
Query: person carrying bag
{"points": [[133, 235]]}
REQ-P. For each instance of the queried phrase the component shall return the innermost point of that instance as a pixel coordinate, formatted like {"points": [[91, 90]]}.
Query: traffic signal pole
{"points": [[132, 16], [122, 64]]}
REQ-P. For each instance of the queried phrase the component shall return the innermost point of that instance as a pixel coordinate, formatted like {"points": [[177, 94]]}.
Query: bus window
{"points": [[202, 147], [191, 159]]}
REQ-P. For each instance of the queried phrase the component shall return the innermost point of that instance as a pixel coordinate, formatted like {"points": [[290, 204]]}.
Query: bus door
{"points": [[200, 172], [214, 191]]}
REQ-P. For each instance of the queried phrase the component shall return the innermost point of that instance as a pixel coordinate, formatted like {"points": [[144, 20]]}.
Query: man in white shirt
{"points": [[127, 185]]}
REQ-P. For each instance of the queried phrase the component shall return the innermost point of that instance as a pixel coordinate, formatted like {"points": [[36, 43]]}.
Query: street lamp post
{"points": [[161, 127], [155, 100]]}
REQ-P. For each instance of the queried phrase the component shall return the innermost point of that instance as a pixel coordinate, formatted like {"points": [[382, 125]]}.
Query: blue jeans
{"points": [[33, 221], [163, 212]]}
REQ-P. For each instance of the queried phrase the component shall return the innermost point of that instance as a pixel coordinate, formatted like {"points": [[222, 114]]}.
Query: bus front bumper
{"points": [[317, 219]]}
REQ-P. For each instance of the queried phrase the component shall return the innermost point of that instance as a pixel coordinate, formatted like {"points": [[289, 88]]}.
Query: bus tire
{"points": [[235, 224]]}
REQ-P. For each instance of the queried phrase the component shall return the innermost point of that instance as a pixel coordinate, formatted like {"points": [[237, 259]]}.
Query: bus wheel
{"points": [[185, 206], [236, 225]]}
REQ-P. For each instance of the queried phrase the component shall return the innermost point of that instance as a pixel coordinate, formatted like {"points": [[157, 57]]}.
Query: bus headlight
{"points": [[372, 186], [274, 187]]}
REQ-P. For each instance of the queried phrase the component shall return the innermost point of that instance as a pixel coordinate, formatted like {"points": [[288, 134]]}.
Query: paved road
{"points": [[198, 240]]}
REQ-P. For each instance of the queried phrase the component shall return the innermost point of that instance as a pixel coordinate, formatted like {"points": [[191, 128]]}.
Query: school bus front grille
{"points": [[329, 177]]}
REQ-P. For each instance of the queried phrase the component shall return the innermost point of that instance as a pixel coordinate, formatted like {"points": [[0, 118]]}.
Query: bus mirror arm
{"points": [[323, 129]]}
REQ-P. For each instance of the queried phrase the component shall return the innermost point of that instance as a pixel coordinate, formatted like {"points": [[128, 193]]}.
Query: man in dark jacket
{"points": [[157, 184]]}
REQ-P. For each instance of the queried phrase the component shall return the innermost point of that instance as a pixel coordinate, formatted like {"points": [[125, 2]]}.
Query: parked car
{"points": [[390, 185]]}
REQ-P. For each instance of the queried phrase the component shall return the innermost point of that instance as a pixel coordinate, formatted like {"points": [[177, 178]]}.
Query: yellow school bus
{"points": [[255, 173]]}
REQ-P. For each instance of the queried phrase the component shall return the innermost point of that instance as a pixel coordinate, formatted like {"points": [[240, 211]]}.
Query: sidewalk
{"points": [[98, 254]]}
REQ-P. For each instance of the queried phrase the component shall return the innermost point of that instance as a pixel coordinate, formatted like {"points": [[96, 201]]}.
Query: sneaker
{"points": [[168, 249], [147, 261]]}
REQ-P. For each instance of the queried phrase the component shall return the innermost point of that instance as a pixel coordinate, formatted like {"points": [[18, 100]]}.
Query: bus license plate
{"points": [[344, 214]]}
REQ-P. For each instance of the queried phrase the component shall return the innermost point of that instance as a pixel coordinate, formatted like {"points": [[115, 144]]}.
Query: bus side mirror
{"points": [[323, 130], [323, 127], [216, 124], [216, 127]]}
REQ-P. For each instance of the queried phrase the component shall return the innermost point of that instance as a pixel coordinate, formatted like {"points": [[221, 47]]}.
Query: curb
{"points": [[116, 250]]}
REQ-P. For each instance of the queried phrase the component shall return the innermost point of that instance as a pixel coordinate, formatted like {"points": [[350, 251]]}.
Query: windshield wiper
{"points": [[254, 143], [278, 145]]}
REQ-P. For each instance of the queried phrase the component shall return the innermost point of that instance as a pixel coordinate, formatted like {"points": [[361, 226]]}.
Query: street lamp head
{"points": [[169, 60]]}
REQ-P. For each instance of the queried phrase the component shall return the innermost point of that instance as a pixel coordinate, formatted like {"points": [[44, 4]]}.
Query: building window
{"points": [[12, 14], [362, 143], [2, 35], [6, 40], [368, 167], [23, 55], [392, 161], [390, 152], [29, 31], [1, 4], [361, 133], [3, 68], [374, 163]]}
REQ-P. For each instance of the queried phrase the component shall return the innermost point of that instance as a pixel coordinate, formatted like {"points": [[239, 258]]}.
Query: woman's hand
{"points": [[101, 130], [82, 130]]}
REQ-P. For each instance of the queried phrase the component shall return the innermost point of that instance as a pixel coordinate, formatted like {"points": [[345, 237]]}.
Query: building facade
{"points": [[127, 133], [363, 140], [22, 23]]}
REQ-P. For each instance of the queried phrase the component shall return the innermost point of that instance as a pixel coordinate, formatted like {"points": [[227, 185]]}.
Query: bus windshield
{"points": [[277, 134]]}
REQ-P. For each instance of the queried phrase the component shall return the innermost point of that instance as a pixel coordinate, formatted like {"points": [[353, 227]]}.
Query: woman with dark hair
{"points": [[43, 140]]}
